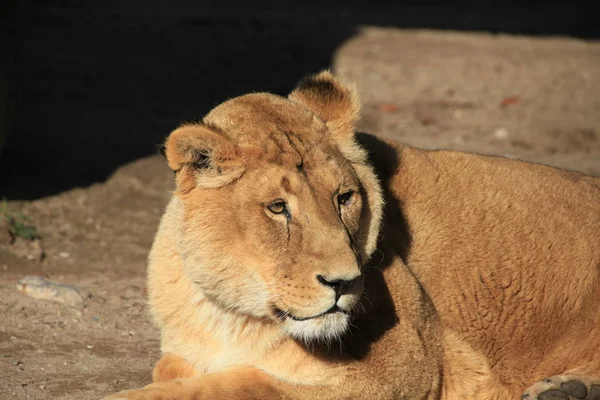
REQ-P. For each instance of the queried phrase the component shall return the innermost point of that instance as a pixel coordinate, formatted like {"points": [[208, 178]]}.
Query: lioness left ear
{"points": [[202, 157], [336, 103]]}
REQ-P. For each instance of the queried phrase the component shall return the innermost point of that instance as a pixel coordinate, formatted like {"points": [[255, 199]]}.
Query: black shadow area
{"points": [[101, 83], [101, 87]]}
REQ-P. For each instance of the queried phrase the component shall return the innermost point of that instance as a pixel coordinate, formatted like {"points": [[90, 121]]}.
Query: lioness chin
{"points": [[299, 259]]}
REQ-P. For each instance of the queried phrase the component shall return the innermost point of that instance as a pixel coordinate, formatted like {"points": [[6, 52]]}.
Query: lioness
{"points": [[299, 259]]}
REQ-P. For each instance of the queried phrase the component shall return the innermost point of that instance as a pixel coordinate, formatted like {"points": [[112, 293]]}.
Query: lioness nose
{"points": [[340, 286]]}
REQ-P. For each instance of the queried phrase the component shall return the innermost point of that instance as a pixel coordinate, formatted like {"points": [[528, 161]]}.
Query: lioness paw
{"points": [[564, 387]]}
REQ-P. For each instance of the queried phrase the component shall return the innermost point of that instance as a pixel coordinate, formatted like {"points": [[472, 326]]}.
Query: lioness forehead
{"points": [[255, 114], [270, 128]]}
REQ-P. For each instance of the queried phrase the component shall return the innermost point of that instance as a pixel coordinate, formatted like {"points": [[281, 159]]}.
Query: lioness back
{"points": [[509, 251]]}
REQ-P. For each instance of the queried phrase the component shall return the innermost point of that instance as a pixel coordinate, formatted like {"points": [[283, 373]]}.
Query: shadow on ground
{"points": [[103, 85]]}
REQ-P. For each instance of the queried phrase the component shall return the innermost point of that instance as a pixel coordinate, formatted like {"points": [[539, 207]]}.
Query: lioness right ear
{"points": [[202, 157], [332, 100]]}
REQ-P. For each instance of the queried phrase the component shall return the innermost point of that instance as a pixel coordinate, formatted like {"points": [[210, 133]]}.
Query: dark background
{"points": [[93, 85]]}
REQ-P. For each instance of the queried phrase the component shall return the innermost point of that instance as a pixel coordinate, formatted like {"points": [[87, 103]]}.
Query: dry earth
{"points": [[536, 99]]}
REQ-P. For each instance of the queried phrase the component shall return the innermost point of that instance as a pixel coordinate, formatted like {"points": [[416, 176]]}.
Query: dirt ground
{"points": [[532, 98]]}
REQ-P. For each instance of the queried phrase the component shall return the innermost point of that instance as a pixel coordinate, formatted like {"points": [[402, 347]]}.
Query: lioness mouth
{"points": [[282, 314]]}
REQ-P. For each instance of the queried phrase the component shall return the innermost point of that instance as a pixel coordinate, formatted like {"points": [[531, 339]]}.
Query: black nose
{"points": [[339, 285]]}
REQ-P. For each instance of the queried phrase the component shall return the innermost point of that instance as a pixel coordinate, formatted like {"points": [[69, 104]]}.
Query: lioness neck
{"points": [[183, 312]]}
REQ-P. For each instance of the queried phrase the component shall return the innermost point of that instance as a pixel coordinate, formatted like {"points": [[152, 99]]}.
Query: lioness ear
{"points": [[202, 157], [336, 103]]}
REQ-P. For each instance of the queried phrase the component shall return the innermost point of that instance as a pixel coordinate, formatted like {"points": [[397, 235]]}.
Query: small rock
{"points": [[89, 347], [63, 254], [42, 387], [132, 292], [29, 249], [500, 134], [41, 288]]}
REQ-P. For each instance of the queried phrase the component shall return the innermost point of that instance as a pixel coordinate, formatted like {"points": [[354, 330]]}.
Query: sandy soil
{"points": [[535, 99]]}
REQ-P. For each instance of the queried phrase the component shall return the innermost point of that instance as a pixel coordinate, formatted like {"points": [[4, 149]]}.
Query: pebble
{"points": [[501, 133], [41, 288], [28, 249]]}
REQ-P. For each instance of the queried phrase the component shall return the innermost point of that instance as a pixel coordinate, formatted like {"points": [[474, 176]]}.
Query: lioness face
{"points": [[303, 228], [275, 216]]}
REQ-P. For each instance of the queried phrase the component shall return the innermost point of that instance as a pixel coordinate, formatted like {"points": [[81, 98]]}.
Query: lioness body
{"points": [[483, 277], [510, 254]]}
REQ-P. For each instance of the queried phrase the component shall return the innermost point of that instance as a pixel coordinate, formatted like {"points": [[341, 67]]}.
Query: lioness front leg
{"points": [[245, 383], [237, 383]]}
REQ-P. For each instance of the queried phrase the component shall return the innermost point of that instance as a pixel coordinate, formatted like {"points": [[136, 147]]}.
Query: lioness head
{"points": [[281, 209]]}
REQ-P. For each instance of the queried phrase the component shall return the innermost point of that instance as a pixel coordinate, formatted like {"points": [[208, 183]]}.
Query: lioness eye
{"points": [[344, 198], [278, 207]]}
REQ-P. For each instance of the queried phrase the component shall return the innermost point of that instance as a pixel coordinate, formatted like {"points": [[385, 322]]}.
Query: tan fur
{"points": [[472, 277]]}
